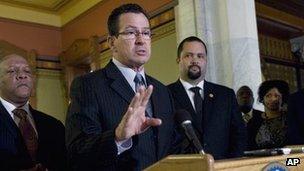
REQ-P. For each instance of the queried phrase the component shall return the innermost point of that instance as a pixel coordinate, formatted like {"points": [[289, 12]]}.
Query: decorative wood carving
{"points": [[78, 59], [277, 62], [277, 48], [279, 16]]}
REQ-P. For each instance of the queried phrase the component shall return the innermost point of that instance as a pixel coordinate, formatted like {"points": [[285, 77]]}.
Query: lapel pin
{"points": [[211, 95]]}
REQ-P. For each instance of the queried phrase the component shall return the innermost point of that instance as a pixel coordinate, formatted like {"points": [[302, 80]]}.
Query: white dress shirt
{"points": [[247, 116], [190, 93], [10, 107], [129, 75]]}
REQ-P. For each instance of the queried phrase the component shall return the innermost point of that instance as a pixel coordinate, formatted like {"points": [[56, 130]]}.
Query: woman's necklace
{"points": [[267, 116]]}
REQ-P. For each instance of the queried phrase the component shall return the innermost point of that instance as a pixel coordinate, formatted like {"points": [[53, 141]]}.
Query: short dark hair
{"points": [[244, 87], [189, 39], [113, 20], [281, 85]]}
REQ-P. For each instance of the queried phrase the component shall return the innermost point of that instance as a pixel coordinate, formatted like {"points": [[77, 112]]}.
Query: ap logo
{"points": [[292, 161]]}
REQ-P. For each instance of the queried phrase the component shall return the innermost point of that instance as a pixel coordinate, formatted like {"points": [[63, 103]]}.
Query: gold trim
{"points": [[49, 8], [48, 65], [164, 31], [46, 73]]}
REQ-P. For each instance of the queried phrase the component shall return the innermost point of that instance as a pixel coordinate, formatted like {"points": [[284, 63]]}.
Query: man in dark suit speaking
{"points": [[216, 118], [115, 121], [29, 139]]}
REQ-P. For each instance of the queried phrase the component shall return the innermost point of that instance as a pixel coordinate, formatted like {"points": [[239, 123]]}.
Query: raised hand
{"points": [[134, 120]]}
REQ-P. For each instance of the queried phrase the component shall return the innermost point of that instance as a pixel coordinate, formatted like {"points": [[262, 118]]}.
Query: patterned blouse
{"points": [[272, 132]]}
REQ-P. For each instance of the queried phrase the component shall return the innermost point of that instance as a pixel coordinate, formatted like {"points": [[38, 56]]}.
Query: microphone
{"points": [[183, 118], [295, 148], [275, 151]]}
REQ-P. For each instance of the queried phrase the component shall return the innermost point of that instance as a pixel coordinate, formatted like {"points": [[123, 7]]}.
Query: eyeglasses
{"points": [[133, 34]]}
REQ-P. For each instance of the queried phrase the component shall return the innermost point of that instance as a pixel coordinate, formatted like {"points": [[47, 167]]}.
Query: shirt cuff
{"points": [[123, 145]]}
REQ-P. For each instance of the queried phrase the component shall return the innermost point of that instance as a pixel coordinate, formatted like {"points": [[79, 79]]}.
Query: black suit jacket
{"points": [[295, 118], [98, 103], [223, 133], [253, 126], [51, 145]]}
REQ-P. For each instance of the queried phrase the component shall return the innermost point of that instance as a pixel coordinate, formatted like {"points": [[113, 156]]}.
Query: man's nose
{"points": [[245, 95], [21, 75], [194, 61], [139, 39]]}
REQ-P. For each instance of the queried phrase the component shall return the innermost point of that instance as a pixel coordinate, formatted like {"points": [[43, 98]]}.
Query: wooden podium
{"points": [[206, 162]]}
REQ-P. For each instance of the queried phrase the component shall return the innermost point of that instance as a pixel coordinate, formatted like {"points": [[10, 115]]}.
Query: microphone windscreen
{"points": [[182, 115]]}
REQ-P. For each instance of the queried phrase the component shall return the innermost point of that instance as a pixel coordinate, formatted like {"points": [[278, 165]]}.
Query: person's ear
{"points": [[178, 60], [110, 41]]}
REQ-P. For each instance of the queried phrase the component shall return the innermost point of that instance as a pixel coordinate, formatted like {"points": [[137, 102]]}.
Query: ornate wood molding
{"points": [[50, 65], [279, 16]]}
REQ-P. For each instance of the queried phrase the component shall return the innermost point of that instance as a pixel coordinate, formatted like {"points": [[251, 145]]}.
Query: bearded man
{"points": [[214, 109]]}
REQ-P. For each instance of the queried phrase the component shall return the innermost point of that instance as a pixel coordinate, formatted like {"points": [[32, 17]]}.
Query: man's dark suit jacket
{"points": [[51, 145], [253, 126], [223, 133], [295, 118], [98, 103]]}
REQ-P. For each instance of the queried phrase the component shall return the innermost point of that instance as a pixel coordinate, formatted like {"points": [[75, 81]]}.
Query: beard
{"points": [[193, 73]]}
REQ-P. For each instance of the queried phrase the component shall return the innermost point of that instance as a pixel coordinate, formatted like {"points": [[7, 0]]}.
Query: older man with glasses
{"points": [[119, 117]]}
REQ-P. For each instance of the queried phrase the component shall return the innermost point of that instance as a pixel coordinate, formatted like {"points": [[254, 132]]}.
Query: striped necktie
{"points": [[139, 81]]}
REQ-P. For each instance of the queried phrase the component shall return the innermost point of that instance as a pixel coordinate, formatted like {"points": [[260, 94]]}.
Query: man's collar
{"points": [[10, 107], [249, 113], [7, 105], [127, 72], [120, 65], [187, 85]]}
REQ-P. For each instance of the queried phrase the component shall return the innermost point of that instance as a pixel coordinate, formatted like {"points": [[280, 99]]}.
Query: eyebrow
{"points": [[14, 66], [133, 27], [195, 53]]}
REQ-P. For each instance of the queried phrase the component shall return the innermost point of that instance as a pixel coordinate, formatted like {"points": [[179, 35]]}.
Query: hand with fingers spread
{"points": [[134, 120]]}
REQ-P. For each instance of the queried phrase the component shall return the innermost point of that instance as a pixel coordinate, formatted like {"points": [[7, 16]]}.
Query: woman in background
{"points": [[268, 129]]}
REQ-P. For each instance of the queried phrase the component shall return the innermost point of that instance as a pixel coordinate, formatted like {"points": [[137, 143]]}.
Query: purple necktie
{"points": [[28, 132]]}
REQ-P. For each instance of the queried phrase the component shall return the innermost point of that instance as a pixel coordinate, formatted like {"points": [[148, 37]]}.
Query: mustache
{"points": [[194, 65], [23, 84], [140, 48]]}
